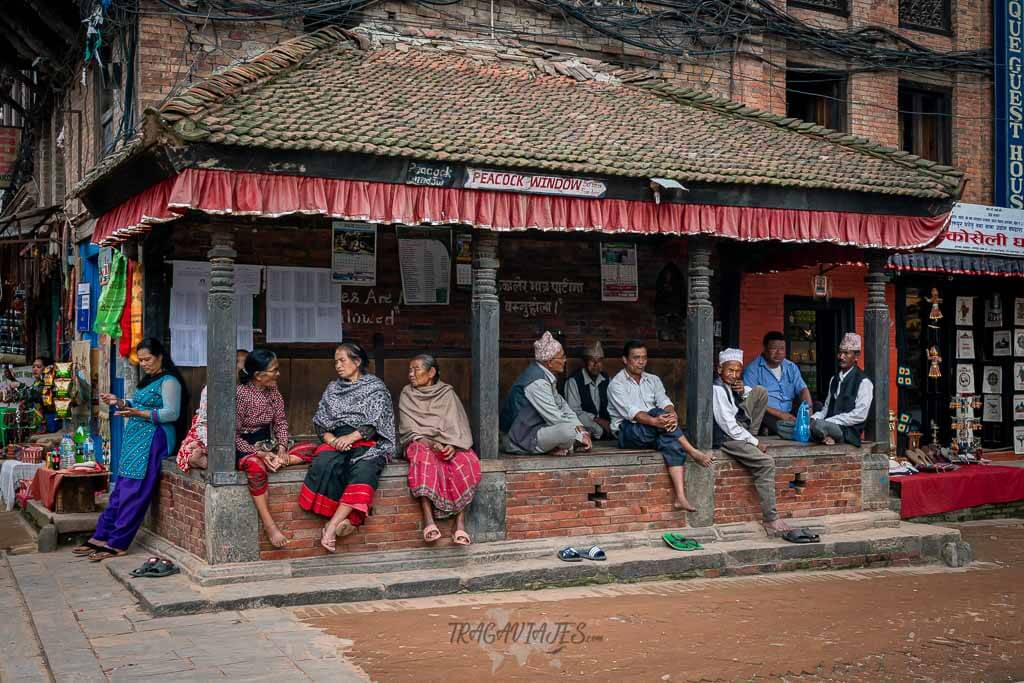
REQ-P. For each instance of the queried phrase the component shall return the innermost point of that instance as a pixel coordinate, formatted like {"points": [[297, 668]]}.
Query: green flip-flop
{"points": [[677, 541]]}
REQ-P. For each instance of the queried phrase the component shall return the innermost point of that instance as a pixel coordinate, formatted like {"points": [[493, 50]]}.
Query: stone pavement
{"points": [[91, 629]]}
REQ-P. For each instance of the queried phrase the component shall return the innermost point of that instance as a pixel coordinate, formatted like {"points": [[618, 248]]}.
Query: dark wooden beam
{"points": [[14, 71], [10, 101], [54, 21], [21, 30]]}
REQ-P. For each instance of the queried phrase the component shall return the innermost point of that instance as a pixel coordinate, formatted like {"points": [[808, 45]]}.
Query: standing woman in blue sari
{"points": [[150, 435]]}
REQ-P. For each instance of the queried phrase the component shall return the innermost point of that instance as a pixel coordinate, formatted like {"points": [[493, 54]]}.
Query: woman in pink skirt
{"points": [[434, 433]]}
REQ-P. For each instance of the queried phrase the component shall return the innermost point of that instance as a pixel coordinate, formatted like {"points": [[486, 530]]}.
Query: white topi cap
{"points": [[851, 342], [730, 356]]}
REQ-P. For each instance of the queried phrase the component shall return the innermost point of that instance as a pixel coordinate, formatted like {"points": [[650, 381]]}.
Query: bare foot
{"points": [[327, 540], [277, 539], [683, 504], [703, 459], [560, 452], [779, 526], [345, 528], [829, 441]]}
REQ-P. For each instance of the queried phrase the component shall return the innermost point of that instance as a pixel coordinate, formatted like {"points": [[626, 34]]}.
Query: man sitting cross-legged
{"points": [[738, 413], [643, 417]]}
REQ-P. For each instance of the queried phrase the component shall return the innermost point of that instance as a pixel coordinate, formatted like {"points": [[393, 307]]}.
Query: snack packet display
{"points": [[63, 370], [62, 388], [63, 407]]}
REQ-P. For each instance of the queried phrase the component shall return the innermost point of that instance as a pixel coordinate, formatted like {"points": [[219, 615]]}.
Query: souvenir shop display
{"points": [[965, 311], [1018, 312], [965, 423], [992, 380], [936, 314], [12, 333], [1018, 406], [1001, 343], [934, 363], [994, 311], [965, 345], [965, 378]]}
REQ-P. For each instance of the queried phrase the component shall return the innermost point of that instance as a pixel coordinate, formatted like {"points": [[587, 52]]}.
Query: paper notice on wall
{"points": [[424, 257], [188, 317], [354, 254], [303, 305], [464, 261], [618, 272]]}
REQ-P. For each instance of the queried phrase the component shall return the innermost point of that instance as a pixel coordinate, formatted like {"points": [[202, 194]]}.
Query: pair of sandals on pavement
{"points": [[930, 459], [432, 534], [95, 552], [570, 554], [677, 541]]}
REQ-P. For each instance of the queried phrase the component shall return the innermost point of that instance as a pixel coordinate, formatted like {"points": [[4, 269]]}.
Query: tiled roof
{"points": [[431, 99]]}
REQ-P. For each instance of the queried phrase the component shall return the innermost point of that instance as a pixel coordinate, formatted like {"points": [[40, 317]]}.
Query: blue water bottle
{"points": [[802, 429]]}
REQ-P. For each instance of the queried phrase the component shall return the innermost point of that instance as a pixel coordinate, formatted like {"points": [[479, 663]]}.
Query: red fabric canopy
{"points": [[270, 195], [931, 493]]}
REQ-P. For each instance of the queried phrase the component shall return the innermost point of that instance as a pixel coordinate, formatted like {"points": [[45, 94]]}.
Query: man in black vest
{"points": [[846, 408], [586, 392]]}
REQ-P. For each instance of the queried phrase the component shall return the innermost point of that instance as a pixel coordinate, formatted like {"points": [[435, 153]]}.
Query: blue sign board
{"points": [[1009, 76]]}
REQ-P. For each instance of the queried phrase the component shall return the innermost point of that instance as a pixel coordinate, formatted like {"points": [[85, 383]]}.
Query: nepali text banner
{"points": [[979, 229]]}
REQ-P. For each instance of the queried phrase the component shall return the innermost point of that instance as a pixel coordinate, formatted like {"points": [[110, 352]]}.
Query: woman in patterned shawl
{"points": [[356, 425]]}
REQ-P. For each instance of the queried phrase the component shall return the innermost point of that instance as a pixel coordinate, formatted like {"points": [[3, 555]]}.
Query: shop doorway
{"points": [[813, 331]]}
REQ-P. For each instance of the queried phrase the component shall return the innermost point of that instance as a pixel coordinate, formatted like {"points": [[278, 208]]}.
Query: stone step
{"points": [[646, 559]]}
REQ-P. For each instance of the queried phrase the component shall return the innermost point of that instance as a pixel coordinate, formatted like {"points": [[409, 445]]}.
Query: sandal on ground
{"points": [[677, 541], [144, 568], [87, 548], [461, 538], [327, 541], [569, 555], [594, 553], [800, 536], [431, 533], [100, 555], [163, 568]]}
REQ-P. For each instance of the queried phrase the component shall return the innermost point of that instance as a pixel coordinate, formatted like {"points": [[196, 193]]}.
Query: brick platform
{"points": [[609, 491]]}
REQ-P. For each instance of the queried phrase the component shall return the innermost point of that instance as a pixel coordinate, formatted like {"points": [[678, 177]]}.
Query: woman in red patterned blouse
{"points": [[261, 433]]}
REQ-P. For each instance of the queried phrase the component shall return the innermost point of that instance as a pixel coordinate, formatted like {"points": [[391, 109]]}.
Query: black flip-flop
{"points": [[800, 536], [145, 567], [594, 553], [162, 568], [569, 554]]}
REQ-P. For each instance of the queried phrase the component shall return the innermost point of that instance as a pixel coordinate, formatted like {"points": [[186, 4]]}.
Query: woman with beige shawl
{"points": [[434, 434]]}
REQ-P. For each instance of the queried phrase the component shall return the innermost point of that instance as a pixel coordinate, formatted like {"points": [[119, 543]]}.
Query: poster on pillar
{"points": [[189, 292]]}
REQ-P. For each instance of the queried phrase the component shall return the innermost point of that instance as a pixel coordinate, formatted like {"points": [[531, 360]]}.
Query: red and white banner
{"points": [[479, 179]]}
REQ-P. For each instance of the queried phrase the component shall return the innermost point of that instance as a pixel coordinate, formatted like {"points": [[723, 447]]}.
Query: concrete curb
{"points": [[887, 546]]}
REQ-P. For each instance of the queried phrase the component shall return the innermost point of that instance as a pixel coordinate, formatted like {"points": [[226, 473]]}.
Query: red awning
{"points": [[270, 195]]}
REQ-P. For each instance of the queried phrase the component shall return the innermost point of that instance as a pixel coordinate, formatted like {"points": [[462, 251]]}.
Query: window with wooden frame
{"points": [[817, 96], [925, 122], [105, 83], [840, 7]]}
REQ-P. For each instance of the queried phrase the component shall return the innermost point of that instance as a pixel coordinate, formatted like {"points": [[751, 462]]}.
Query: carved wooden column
{"points": [[486, 515], [485, 346], [700, 368], [232, 525], [876, 349], [221, 326]]}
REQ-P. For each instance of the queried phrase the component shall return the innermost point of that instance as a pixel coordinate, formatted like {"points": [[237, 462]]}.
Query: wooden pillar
{"points": [[231, 522], [484, 330], [700, 368], [876, 349], [221, 325]]}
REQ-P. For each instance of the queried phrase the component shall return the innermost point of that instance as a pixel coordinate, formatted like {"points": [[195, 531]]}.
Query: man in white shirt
{"points": [[642, 416], [586, 392], [535, 418], [738, 411], [848, 403]]}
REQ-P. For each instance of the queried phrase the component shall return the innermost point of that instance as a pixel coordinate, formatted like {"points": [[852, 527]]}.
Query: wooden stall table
{"points": [[67, 491]]}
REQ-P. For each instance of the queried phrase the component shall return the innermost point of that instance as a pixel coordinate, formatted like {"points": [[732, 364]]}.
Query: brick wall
{"points": [[179, 510], [762, 307], [832, 486]]}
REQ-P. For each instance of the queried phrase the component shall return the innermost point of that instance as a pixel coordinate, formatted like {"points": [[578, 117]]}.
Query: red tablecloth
{"points": [[933, 493], [46, 482]]}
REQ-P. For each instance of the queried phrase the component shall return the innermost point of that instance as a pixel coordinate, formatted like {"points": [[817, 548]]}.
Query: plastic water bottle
{"points": [[802, 429], [67, 452]]}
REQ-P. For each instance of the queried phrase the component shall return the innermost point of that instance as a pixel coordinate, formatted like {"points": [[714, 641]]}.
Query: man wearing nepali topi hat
{"points": [[586, 392], [738, 412], [535, 418], [848, 403]]}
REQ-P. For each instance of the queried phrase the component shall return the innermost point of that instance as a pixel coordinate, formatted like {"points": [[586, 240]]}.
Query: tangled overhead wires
{"points": [[688, 29]]}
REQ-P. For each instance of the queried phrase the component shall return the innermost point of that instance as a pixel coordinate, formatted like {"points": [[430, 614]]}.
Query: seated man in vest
{"points": [[643, 417], [782, 380], [738, 413], [846, 408], [586, 392], [535, 418]]}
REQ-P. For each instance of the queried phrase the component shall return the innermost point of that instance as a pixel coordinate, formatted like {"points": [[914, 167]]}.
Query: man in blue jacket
{"points": [[782, 380]]}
